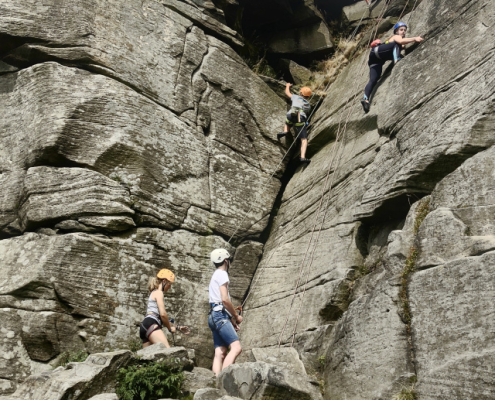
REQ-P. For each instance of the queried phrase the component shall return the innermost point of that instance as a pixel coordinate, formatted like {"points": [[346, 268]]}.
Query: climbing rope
{"points": [[324, 216], [314, 109], [274, 171], [295, 139], [307, 269]]}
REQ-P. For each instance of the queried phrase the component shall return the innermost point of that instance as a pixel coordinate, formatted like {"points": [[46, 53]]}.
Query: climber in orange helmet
{"points": [[297, 116], [150, 330]]}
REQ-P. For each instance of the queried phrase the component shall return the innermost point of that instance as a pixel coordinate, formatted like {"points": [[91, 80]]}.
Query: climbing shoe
{"points": [[366, 106], [280, 135], [305, 160]]}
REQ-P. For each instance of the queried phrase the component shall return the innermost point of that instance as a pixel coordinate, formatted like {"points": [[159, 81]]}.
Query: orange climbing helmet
{"points": [[305, 91], [166, 274]]}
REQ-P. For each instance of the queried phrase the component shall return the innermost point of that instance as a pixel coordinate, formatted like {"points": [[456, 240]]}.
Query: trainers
{"points": [[305, 160], [281, 135], [366, 106]]}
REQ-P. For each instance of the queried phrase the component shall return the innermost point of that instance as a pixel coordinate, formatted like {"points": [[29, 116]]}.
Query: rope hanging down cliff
{"points": [[324, 216], [340, 133], [300, 209]]}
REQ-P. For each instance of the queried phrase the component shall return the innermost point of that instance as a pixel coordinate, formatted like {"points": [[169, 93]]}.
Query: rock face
{"points": [[261, 380], [294, 28], [76, 380], [134, 138], [329, 281]]}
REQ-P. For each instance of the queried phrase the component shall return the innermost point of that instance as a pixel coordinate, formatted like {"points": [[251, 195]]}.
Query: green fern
{"points": [[149, 382]]}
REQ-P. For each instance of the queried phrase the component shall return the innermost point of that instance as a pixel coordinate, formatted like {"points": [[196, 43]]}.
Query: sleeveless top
{"points": [[152, 310]]}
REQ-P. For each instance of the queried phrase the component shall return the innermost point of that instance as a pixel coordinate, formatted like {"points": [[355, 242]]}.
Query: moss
{"points": [[409, 268], [69, 356], [134, 344], [421, 213]]}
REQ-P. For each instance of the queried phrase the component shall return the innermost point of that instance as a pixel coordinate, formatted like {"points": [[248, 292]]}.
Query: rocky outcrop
{"points": [[291, 28], [134, 138], [76, 380], [261, 380], [452, 295], [341, 240]]}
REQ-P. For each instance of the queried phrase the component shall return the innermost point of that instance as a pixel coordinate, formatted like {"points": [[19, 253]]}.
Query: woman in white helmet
{"points": [[156, 317], [223, 319]]}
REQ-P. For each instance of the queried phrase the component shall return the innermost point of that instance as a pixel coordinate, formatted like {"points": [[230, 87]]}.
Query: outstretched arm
{"points": [[287, 90], [402, 41]]}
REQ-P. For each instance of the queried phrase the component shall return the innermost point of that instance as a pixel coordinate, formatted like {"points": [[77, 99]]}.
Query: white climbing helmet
{"points": [[219, 255]]}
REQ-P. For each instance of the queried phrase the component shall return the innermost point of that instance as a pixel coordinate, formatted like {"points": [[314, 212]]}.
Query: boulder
{"points": [[313, 38], [287, 358], [209, 394], [173, 356], [452, 296], [105, 396], [300, 75], [368, 342], [360, 10], [198, 378], [76, 380], [260, 380]]}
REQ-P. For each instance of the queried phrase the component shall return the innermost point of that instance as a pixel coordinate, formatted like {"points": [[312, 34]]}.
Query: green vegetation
{"points": [[321, 360], [421, 213], [68, 356], [407, 393], [149, 382], [408, 269], [134, 344]]}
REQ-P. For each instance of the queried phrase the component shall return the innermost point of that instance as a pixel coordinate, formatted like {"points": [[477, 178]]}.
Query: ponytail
{"points": [[153, 283]]}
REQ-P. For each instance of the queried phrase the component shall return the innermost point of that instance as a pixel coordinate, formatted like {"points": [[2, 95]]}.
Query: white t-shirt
{"points": [[218, 279]]}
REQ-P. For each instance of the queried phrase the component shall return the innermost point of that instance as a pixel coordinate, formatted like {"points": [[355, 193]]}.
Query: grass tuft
{"points": [[71, 356], [407, 393], [409, 268], [421, 213]]}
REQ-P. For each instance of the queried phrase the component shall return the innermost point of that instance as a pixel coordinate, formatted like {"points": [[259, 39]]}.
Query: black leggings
{"points": [[384, 52]]}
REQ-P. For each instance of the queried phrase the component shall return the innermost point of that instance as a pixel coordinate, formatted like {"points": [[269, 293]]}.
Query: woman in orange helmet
{"points": [[156, 317]]}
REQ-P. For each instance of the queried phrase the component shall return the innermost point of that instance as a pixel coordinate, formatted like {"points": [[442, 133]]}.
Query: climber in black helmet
{"points": [[297, 116], [388, 51]]}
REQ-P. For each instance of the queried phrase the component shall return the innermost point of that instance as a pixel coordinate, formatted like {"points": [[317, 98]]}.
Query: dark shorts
{"points": [[147, 327], [223, 331], [300, 127]]}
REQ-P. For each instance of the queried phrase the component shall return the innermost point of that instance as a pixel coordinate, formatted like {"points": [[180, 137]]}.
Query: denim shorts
{"points": [[224, 333]]}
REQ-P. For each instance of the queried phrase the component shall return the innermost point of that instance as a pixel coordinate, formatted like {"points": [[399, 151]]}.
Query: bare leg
{"points": [[220, 353], [304, 146], [146, 344], [286, 128], [235, 350], [159, 337]]}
